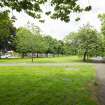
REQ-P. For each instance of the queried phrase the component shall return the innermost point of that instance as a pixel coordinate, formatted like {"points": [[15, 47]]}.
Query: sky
{"points": [[59, 29]]}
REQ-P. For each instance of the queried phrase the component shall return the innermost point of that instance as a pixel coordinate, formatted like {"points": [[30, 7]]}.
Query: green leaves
{"points": [[88, 8], [28, 42], [77, 19], [86, 42], [5, 24], [61, 8], [23, 40]]}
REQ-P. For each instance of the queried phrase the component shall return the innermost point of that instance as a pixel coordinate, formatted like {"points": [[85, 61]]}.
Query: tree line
{"points": [[27, 41], [87, 42]]}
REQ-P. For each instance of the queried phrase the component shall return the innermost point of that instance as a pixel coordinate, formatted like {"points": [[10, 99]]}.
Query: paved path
{"points": [[41, 64], [100, 78]]}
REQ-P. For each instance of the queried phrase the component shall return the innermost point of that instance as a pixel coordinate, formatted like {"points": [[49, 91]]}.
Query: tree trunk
{"points": [[23, 55], [84, 56], [32, 58], [0, 54], [87, 57], [75, 52], [37, 55]]}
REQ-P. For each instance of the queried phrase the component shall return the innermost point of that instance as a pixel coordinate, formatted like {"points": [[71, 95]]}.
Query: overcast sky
{"points": [[59, 29]]}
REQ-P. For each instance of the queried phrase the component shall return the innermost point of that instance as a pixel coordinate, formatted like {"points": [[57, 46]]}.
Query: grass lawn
{"points": [[68, 85], [65, 59]]}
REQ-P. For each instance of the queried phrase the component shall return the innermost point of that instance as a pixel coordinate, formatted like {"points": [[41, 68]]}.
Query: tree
{"points": [[101, 45], [60, 47], [28, 42], [23, 40], [102, 18], [71, 42], [87, 42], [7, 31], [61, 8], [88, 39], [38, 44], [4, 25], [52, 45], [66, 48]]}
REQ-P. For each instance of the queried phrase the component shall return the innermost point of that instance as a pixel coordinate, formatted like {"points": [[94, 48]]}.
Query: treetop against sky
{"points": [[57, 9]]}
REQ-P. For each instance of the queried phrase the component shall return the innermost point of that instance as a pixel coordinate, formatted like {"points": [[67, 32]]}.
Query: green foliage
{"points": [[5, 24], [87, 42], [102, 18], [61, 8], [34, 42], [23, 40], [29, 42], [72, 43], [60, 47], [67, 49], [38, 44], [54, 46], [51, 43], [6, 30]]}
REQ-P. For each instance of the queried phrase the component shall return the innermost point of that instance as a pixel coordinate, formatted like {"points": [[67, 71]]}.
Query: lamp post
{"points": [[13, 18]]}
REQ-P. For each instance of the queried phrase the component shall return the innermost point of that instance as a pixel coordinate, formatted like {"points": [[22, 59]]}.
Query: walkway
{"points": [[100, 78], [41, 64]]}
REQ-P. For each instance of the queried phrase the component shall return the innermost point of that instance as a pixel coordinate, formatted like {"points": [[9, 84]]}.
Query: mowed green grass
{"points": [[68, 85], [65, 59]]}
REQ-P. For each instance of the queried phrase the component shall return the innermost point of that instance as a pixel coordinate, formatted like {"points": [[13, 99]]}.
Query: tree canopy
{"points": [[86, 42], [102, 18], [6, 30], [61, 8]]}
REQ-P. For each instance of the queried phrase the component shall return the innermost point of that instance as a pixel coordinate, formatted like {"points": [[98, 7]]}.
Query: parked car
{"points": [[6, 56], [99, 59]]}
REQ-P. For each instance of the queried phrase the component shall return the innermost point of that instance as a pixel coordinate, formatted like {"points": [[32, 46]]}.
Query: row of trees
{"points": [[87, 42], [27, 41], [24, 40]]}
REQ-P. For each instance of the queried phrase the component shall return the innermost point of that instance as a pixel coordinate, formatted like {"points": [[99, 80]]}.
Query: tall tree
{"points": [[6, 30], [102, 19], [60, 47], [23, 38], [88, 41], [28, 42], [52, 45]]}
